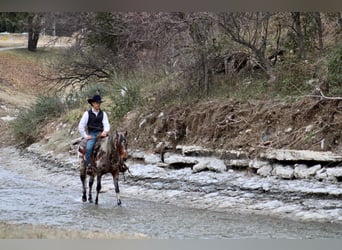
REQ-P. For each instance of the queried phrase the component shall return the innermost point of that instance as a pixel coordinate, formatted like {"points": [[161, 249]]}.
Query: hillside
{"points": [[308, 123]]}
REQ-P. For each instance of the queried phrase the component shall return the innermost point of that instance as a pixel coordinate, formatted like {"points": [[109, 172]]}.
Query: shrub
{"points": [[29, 121], [125, 94], [335, 70]]}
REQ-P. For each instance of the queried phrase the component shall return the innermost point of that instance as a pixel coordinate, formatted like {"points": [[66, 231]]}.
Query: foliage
{"points": [[292, 79], [29, 121], [335, 70], [125, 95], [13, 22], [76, 99]]}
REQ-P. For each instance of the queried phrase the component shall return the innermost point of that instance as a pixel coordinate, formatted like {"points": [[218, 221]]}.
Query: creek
{"points": [[36, 192]]}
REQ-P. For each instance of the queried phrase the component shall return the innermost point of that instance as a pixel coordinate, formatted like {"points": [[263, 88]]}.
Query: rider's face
{"points": [[96, 105]]}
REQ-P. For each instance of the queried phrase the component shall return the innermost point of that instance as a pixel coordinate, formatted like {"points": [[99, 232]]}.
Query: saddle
{"points": [[83, 145]]}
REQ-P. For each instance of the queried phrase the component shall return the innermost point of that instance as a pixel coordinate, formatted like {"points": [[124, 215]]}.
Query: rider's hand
{"points": [[88, 137], [103, 134]]}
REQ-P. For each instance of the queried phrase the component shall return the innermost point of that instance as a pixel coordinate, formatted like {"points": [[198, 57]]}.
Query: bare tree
{"points": [[251, 31], [199, 27], [317, 17], [296, 16]]}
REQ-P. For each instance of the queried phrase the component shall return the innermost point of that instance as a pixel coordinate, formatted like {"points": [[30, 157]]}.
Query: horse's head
{"points": [[121, 145]]}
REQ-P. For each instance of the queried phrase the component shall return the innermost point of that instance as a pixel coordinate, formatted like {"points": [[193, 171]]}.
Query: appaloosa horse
{"points": [[109, 157]]}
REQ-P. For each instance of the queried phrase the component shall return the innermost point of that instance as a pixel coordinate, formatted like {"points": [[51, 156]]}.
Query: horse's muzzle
{"points": [[124, 156]]}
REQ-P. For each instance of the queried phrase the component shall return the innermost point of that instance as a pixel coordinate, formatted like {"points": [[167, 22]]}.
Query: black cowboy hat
{"points": [[96, 98]]}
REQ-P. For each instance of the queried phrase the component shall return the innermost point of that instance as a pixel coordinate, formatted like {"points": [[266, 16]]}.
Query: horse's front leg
{"points": [[91, 182], [83, 177], [116, 186], [98, 188]]}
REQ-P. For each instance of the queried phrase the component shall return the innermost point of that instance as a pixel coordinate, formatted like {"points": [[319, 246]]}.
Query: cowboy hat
{"points": [[96, 98]]}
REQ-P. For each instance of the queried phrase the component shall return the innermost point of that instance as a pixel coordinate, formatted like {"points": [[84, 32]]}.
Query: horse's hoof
{"points": [[90, 200], [119, 202], [84, 199]]}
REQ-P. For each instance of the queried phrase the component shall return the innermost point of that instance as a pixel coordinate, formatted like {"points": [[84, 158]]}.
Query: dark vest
{"points": [[95, 122]]}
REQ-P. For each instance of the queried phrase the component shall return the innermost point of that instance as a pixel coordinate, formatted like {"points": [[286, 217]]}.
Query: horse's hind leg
{"points": [[98, 188], [116, 186]]}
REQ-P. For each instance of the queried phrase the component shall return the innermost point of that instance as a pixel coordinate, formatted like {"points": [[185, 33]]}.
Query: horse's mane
{"points": [[108, 145]]}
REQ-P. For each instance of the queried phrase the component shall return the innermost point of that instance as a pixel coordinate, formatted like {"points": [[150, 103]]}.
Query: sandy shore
{"points": [[27, 231]]}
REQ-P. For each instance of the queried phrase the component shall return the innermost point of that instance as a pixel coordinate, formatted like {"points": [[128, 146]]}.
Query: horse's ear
{"points": [[126, 133]]}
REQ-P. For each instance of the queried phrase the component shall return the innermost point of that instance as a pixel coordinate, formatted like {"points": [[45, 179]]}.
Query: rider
{"points": [[94, 122]]}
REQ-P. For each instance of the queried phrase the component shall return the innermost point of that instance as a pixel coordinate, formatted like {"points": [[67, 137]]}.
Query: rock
{"points": [[152, 158], [284, 172], [265, 170], [240, 163], [137, 155], [302, 171], [288, 130], [8, 118], [321, 174], [258, 163], [309, 128], [177, 161], [231, 154], [210, 164], [300, 155], [334, 171], [194, 150]]}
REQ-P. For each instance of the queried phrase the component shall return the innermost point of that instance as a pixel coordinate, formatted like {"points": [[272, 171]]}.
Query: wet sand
{"points": [[28, 231]]}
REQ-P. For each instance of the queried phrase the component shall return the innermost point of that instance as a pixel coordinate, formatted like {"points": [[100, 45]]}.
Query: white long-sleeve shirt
{"points": [[82, 126]]}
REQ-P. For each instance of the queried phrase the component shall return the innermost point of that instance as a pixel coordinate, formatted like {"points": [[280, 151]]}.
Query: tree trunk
{"points": [[318, 19], [298, 29], [205, 73], [340, 20], [33, 34]]}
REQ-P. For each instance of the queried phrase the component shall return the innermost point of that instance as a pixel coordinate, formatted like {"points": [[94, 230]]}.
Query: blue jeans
{"points": [[90, 146]]}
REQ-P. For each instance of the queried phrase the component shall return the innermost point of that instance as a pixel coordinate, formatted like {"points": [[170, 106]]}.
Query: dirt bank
{"points": [[307, 124]]}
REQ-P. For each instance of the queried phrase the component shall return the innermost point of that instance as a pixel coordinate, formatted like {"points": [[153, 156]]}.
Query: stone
{"points": [[239, 163], [300, 155], [334, 171], [178, 161], [302, 171], [321, 174], [194, 150], [265, 170], [210, 164], [284, 172], [255, 163]]}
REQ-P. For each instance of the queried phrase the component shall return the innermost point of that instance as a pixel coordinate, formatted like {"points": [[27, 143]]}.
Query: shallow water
{"points": [[38, 193]]}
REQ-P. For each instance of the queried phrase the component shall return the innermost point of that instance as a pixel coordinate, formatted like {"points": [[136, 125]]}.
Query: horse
{"points": [[109, 156]]}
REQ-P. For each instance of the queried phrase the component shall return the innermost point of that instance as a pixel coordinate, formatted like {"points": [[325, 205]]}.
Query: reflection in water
{"points": [[30, 194]]}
